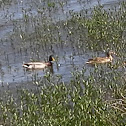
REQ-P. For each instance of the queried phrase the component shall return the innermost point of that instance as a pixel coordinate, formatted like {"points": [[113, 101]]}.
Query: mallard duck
{"points": [[39, 65], [97, 60]]}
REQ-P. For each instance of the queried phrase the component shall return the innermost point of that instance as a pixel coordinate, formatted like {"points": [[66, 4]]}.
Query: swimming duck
{"points": [[39, 65], [98, 60]]}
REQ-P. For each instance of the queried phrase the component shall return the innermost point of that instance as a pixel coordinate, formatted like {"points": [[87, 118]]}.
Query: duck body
{"points": [[100, 60], [38, 65]]}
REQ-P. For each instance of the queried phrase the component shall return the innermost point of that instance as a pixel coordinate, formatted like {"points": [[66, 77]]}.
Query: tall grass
{"points": [[84, 101], [104, 29], [97, 99]]}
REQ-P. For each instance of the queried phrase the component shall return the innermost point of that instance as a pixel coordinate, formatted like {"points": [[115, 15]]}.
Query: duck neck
{"points": [[110, 57], [49, 63]]}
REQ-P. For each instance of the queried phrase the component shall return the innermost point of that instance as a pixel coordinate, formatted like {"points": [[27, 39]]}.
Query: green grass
{"points": [[84, 101], [105, 27], [95, 100], [102, 30]]}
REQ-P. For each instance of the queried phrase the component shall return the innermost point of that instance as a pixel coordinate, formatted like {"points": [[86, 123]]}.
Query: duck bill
{"points": [[53, 59]]}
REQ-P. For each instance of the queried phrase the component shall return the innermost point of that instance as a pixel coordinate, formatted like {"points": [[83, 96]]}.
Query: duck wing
{"points": [[97, 59], [34, 63]]}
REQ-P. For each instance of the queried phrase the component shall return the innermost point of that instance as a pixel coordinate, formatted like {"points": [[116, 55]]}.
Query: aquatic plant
{"points": [[95, 99], [105, 27], [84, 101]]}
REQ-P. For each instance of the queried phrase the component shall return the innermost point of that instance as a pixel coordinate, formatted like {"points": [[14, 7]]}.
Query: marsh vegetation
{"points": [[71, 92]]}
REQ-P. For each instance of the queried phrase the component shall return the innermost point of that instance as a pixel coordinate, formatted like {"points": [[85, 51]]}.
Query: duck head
{"points": [[109, 55], [51, 58]]}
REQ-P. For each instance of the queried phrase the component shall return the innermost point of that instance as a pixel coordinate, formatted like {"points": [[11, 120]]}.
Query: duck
{"points": [[124, 63], [100, 60], [39, 65]]}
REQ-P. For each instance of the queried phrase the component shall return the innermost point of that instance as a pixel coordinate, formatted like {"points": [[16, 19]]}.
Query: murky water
{"points": [[14, 49]]}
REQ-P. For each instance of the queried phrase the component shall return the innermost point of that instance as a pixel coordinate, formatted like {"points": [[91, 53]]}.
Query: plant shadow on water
{"points": [[70, 92]]}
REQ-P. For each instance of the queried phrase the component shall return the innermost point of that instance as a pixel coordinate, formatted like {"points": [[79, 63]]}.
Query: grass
{"points": [[103, 30], [105, 27], [84, 101], [97, 99]]}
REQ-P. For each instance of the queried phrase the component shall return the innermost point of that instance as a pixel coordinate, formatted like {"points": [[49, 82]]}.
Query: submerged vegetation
{"points": [[97, 99]]}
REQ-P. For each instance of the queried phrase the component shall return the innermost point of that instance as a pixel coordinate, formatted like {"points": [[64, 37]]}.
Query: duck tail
{"points": [[89, 61], [25, 65]]}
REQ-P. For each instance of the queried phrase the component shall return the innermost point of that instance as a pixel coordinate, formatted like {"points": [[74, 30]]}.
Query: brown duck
{"points": [[39, 65], [98, 60]]}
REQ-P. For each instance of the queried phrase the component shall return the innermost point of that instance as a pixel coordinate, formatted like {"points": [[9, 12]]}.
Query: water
{"points": [[15, 49]]}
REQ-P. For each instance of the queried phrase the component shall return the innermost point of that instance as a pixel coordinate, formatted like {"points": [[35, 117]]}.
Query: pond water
{"points": [[14, 49]]}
